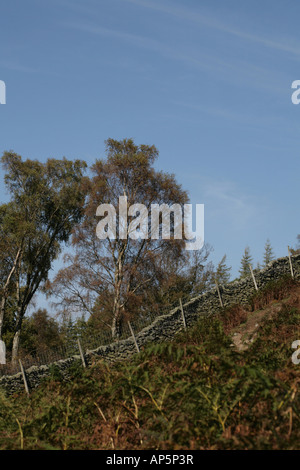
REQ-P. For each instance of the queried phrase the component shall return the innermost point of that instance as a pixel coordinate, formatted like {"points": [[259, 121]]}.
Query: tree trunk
{"points": [[6, 286], [2, 310], [16, 340], [116, 327], [116, 322], [15, 347]]}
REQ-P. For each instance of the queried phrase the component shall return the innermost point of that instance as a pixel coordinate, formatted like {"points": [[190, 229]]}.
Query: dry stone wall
{"points": [[164, 328]]}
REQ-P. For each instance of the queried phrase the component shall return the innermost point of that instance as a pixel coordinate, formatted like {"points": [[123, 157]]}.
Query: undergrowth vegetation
{"points": [[197, 392]]}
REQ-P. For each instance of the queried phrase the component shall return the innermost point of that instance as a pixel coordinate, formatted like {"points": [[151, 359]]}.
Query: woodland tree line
{"points": [[103, 283]]}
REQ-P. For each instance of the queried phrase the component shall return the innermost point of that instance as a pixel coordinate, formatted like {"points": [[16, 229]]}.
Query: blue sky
{"points": [[206, 81]]}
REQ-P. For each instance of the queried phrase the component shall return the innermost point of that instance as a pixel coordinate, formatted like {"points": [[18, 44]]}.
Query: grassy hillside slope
{"points": [[227, 383]]}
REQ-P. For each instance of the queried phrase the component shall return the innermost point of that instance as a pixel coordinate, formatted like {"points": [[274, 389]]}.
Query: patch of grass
{"points": [[233, 316], [273, 291]]}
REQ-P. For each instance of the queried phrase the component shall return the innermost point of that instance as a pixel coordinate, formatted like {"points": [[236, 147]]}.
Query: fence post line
{"points": [[81, 353], [134, 338], [290, 261], [253, 277], [219, 293], [24, 377], [182, 314]]}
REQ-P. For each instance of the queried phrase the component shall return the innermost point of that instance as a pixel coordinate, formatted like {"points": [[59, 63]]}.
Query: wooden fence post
{"points": [[252, 274], [81, 353], [2, 352], [182, 314], [24, 377], [219, 293], [134, 338], [290, 261]]}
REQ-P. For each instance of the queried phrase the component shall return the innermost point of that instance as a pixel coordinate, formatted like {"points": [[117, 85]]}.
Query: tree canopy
{"points": [[117, 278], [46, 202]]}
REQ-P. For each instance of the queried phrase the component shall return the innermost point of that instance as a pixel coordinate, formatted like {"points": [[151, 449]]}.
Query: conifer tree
{"points": [[295, 251], [268, 254], [222, 274], [245, 261]]}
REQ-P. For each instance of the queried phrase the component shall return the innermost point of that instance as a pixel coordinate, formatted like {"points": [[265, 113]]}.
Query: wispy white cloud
{"points": [[98, 30], [205, 61], [229, 114], [185, 13], [215, 111], [227, 201], [234, 70], [80, 7], [254, 75], [17, 67]]}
